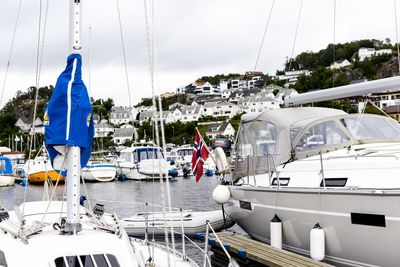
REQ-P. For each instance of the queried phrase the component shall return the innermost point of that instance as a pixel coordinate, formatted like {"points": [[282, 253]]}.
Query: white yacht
{"points": [[99, 171], [142, 163], [317, 165]]}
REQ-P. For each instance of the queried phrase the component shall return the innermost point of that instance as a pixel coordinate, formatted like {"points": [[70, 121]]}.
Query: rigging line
{"points": [[10, 51], [334, 42], [162, 133], [37, 70], [123, 53], [263, 38], [150, 57], [397, 34], [39, 56], [295, 35]]}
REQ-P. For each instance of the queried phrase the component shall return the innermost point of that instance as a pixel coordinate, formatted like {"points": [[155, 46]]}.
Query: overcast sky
{"points": [[193, 38]]}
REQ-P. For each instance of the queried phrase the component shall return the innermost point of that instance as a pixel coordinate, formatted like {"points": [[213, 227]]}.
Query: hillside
{"points": [[321, 77]]}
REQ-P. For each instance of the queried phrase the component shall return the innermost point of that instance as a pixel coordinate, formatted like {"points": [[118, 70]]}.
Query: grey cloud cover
{"points": [[192, 38]]}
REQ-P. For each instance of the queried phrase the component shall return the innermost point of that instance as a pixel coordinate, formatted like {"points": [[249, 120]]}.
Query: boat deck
{"points": [[249, 252]]}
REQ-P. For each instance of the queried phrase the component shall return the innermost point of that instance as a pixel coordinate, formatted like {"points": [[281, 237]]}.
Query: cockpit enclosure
{"points": [[274, 137]]}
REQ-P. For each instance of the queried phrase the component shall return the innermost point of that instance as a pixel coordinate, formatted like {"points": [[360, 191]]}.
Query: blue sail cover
{"points": [[68, 119]]}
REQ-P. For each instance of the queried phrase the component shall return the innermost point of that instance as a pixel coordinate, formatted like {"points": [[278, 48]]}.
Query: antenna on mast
{"points": [[75, 26]]}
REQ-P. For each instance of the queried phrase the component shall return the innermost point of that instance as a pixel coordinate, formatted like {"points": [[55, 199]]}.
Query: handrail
{"points": [[232, 262]]}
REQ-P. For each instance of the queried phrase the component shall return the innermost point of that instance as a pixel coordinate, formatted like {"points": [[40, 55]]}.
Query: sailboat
{"points": [[58, 233], [320, 168], [39, 169]]}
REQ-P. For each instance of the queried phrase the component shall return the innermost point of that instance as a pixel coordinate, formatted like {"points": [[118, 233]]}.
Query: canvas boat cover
{"points": [[68, 119], [275, 137]]}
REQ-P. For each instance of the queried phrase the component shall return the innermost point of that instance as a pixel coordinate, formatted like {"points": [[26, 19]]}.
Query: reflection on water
{"points": [[127, 198]]}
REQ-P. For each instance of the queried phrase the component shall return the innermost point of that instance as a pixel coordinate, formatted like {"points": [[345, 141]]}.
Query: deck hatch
{"points": [[368, 219], [245, 205], [334, 182]]}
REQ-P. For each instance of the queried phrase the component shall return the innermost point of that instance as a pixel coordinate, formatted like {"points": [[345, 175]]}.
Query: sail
{"points": [[68, 119]]}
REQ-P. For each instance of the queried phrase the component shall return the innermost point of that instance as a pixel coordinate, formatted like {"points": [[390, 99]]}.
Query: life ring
{"points": [[221, 163]]}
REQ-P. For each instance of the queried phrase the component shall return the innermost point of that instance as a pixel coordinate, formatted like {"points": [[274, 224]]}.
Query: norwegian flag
{"points": [[200, 154]]}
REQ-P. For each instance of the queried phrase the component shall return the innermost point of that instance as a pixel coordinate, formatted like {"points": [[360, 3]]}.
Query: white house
{"points": [[364, 52], [258, 103], [180, 90], [203, 88], [121, 115], [219, 129], [286, 92], [386, 99], [220, 109], [237, 95], [102, 129], [25, 125], [174, 114], [145, 116], [191, 113], [292, 76], [223, 85], [123, 134], [225, 94], [338, 64]]}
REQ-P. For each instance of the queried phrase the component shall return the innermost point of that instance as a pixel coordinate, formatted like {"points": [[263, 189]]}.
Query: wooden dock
{"points": [[249, 252]]}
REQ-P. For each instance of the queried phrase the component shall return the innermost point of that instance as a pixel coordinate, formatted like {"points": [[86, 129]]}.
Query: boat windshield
{"points": [[185, 152], [372, 128], [152, 153], [326, 133]]}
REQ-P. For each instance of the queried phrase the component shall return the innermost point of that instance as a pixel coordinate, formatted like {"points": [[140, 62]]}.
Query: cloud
{"points": [[192, 39]]}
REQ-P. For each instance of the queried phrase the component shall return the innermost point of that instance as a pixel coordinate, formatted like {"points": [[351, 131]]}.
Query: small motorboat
{"points": [[97, 171], [39, 170], [194, 222], [151, 168]]}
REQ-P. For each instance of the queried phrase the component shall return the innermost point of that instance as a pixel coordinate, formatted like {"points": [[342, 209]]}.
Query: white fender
{"points": [[221, 194], [317, 243], [221, 161], [276, 232]]}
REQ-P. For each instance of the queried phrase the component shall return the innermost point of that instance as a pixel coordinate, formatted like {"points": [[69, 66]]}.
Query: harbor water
{"points": [[128, 197]]}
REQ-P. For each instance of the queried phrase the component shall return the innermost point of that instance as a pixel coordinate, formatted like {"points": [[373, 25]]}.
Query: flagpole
{"points": [[205, 144]]}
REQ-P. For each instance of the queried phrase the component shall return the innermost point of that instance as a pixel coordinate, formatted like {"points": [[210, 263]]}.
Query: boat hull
{"points": [[347, 217], [99, 173], [193, 223], [6, 180], [40, 177]]}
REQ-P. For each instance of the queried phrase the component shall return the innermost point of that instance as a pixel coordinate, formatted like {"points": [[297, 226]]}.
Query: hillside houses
{"points": [[365, 52]]}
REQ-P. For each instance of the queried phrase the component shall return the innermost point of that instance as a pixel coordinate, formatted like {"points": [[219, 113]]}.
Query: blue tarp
{"points": [[68, 119], [5, 166]]}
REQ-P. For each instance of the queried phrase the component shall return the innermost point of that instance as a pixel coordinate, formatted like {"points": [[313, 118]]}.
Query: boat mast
{"points": [[73, 225]]}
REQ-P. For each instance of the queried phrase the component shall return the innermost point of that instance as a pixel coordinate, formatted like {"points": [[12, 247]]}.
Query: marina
{"points": [[298, 168]]}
